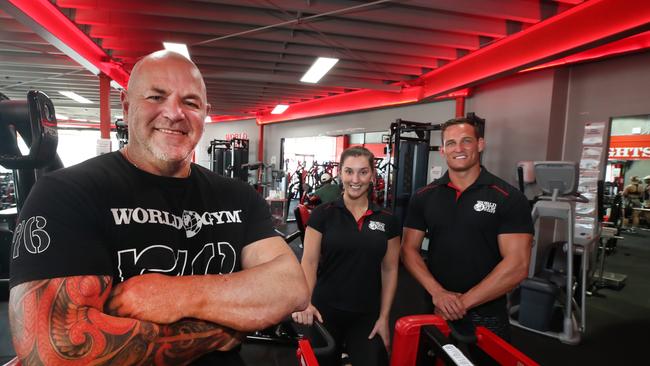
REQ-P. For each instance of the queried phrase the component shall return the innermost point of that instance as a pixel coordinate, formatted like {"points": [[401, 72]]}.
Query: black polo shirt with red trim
{"points": [[463, 227], [349, 272]]}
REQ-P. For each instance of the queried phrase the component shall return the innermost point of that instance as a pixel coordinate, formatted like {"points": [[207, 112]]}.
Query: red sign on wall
{"points": [[630, 147], [242, 135]]}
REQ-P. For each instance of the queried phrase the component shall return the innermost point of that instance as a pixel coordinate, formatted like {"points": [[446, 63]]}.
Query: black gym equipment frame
{"points": [[410, 154], [227, 158], [408, 172]]}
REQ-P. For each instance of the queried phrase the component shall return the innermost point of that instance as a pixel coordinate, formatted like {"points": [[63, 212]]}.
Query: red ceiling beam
{"points": [[631, 44], [47, 21], [587, 25], [348, 102]]}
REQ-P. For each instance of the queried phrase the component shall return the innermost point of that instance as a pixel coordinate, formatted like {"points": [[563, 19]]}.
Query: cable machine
{"points": [[408, 149], [229, 157]]}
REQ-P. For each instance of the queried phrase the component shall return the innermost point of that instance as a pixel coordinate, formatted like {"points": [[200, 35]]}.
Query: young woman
{"points": [[350, 260]]}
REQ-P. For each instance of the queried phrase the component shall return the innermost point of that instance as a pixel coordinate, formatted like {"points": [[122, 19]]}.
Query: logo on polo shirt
{"points": [[376, 225], [485, 206]]}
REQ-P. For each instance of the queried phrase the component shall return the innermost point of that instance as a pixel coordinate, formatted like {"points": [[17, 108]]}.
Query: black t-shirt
{"points": [[463, 228], [107, 217], [349, 272]]}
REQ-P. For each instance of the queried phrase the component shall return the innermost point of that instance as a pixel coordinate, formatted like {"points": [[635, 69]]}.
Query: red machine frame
{"points": [[407, 339]]}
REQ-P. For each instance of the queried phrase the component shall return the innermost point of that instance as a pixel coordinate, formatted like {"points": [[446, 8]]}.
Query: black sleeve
{"points": [[516, 216], [317, 218], [415, 214], [394, 228], [57, 234], [259, 224]]}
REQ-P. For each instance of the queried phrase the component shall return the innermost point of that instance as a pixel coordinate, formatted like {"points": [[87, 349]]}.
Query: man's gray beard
{"points": [[163, 156]]}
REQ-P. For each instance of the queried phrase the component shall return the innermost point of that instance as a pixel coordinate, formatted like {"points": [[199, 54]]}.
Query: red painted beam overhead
{"points": [[590, 24], [348, 102], [64, 34], [630, 44], [587, 25]]}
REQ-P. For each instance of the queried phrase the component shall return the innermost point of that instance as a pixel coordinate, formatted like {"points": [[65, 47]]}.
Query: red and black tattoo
{"points": [[60, 321]]}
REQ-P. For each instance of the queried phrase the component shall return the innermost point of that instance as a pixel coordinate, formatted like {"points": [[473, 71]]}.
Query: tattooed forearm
{"points": [[59, 321]]}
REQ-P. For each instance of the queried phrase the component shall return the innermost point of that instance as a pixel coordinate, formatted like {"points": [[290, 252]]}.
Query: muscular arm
{"points": [[60, 321], [269, 288], [448, 304], [309, 264], [513, 268], [411, 243]]}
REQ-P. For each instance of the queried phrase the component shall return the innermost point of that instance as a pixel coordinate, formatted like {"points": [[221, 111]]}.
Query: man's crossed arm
{"points": [[62, 320]]}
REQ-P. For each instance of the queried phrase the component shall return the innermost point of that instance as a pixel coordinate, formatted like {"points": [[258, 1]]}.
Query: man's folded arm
{"points": [[271, 287], [61, 321]]}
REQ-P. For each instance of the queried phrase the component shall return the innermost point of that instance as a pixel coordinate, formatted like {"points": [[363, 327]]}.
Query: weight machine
{"points": [[228, 157], [408, 148]]}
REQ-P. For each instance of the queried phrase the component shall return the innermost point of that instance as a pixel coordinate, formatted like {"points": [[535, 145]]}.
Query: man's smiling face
{"points": [[461, 147], [165, 109]]}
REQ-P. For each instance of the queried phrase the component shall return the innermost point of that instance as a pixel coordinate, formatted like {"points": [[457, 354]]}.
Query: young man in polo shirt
{"points": [[480, 234]]}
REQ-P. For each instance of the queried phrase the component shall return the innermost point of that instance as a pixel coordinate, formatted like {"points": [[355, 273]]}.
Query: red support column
{"points": [[104, 106], [460, 107], [260, 145], [342, 143]]}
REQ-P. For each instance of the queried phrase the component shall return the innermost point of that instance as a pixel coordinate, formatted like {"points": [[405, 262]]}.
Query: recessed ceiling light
{"points": [[178, 47], [76, 97], [319, 69], [279, 109]]}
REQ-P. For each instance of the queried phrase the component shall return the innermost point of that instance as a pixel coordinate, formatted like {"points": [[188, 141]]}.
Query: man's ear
{"points": [[481, 144]]}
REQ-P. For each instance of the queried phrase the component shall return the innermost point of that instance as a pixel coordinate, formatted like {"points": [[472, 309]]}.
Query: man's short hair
{"points": [[478, 129]]}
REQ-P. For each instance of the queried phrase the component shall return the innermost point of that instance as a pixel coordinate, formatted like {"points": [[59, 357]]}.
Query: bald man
{"points": [[141, 257]]}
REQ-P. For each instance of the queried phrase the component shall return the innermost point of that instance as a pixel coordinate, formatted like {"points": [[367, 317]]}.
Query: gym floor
{"points": [[617, 323]]}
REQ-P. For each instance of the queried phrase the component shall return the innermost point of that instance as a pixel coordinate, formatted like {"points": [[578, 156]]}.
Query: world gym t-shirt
{"points": [[107, 217]]}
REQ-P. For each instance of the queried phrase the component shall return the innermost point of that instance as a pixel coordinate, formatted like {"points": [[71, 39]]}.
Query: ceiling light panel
{"points": [[178, 48], [279, 109], [76, 97], [319, 69]]}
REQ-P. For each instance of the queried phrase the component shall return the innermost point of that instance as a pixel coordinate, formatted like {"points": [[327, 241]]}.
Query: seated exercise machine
{"points": [[429, 340], [32, 120], [551, 301]]}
